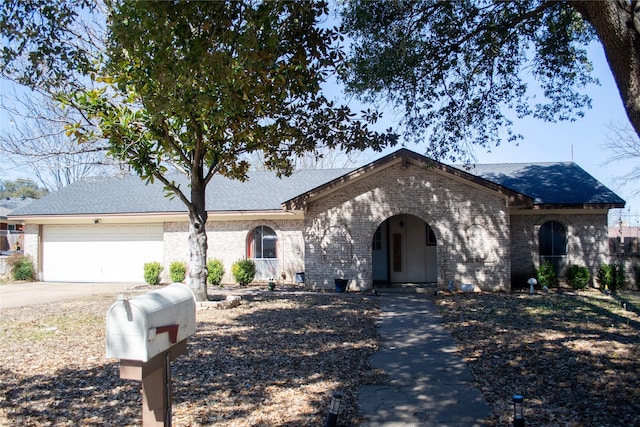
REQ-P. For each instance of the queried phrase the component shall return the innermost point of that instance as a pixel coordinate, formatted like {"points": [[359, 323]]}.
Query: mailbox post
{"points": [[146, 333]]}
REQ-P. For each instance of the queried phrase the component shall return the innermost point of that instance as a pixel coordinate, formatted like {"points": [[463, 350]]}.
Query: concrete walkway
{"points": [[428, 382]]}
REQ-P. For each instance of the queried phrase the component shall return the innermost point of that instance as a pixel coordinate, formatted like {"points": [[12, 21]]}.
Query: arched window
{"points": [[552, 241], [262, 248]]}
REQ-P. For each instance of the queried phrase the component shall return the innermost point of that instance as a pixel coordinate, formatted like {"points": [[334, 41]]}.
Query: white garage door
{"points": [[99, 252]]}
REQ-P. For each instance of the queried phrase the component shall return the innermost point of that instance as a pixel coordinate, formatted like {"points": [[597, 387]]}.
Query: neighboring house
{"points": [[11, 230], [402, 218], [624, 241]]}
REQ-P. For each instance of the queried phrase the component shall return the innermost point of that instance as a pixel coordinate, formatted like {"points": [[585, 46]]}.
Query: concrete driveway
{"points": [[34, 293]]}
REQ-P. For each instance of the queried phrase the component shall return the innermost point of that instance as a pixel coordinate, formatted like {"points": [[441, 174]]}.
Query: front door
{"points": [[408, 249], [404, 251]]}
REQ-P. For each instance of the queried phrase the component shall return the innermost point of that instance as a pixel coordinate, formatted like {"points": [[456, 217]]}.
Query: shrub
{"points": [[152, 271], [177, 271], [611, 276], [546, 275], [216, 271], [578, 276], [22, 267], [243, 271]]}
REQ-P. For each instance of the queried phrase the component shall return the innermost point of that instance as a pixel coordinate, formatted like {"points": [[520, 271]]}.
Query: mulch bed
{"points": [[574, 356], [274, 360]]}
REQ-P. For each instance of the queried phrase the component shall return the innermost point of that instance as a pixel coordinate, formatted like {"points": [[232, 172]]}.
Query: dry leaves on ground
{"points": [[574, 356], [272, 361]]}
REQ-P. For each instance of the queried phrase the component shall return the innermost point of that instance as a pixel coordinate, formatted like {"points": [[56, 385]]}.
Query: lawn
{"points": [[574, 356]]}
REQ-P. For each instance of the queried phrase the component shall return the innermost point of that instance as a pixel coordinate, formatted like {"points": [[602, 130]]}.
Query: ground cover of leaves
{"points": [[273, 361], [574, 356], [276, 359]]}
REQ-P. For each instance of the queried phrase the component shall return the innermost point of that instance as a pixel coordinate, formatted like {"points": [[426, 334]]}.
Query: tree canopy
{"points": [[21, 188], [197, 85], [463, 71], [48, 45]]}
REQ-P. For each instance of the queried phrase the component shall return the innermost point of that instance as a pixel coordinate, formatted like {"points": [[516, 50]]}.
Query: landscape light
{"points": [[518, 411], [334, 409]]}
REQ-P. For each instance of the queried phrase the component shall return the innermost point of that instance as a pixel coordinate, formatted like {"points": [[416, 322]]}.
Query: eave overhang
{"points": [[579, 206], [152, 217]]}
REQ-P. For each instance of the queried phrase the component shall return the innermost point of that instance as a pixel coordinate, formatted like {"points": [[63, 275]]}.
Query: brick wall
{"points": [[32, 246], [227, 241], [587, 242], [471, 227]]}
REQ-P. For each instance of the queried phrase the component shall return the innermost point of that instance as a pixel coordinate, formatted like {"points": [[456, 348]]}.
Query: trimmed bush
{"points": [[22, 267], [546, 275], [215, 270], [243, 271], [177, 271], [611, 276], [152, 272], [578, 276]]}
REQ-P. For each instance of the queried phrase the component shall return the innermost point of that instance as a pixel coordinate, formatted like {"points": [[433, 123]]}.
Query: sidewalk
{"points": [[428, 382]]}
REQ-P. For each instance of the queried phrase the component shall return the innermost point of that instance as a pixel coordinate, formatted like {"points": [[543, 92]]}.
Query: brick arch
{"points": [[428, 219], [367, 233], [255, 224]]}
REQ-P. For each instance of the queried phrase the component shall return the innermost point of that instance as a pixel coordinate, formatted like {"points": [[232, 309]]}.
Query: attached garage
{"points": [[99, 252]]}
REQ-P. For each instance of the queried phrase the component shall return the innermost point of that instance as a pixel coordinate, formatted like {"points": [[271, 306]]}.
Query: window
{"points": [[552, 241], [397, 252], [376, 244], [262, 248], [431, 236]]}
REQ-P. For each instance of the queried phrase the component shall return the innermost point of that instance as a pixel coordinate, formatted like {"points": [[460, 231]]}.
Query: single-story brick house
{"points": [[402, 218]]}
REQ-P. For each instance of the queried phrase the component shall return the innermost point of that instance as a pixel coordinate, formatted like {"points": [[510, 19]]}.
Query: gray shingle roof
{"points": [[563, 183], [129, 194], [10, 204]]}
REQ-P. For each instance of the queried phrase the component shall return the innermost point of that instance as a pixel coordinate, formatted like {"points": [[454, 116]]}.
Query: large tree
{"points": [[198, 85], [461, 71]]}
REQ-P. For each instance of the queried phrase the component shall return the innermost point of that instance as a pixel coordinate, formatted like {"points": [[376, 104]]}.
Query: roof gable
{"points": [[404, 157]]}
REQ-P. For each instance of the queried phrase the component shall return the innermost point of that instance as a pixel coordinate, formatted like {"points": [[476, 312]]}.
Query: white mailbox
{"points": [[147, 325]]}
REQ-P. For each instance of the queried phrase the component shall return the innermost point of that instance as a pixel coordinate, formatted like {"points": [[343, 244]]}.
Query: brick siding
{"points": [[227, 241], [587, 242], [339, 227]]}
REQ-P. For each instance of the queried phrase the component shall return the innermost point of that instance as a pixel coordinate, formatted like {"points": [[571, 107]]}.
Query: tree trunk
{"points": [[613, 22], [197, 280]]}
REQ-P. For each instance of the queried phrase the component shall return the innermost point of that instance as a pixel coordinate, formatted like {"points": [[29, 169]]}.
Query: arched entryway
{"points": [[403, 250]]}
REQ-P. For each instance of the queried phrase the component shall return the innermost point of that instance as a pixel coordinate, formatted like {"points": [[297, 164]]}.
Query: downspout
{"points": [[40, 274]]}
